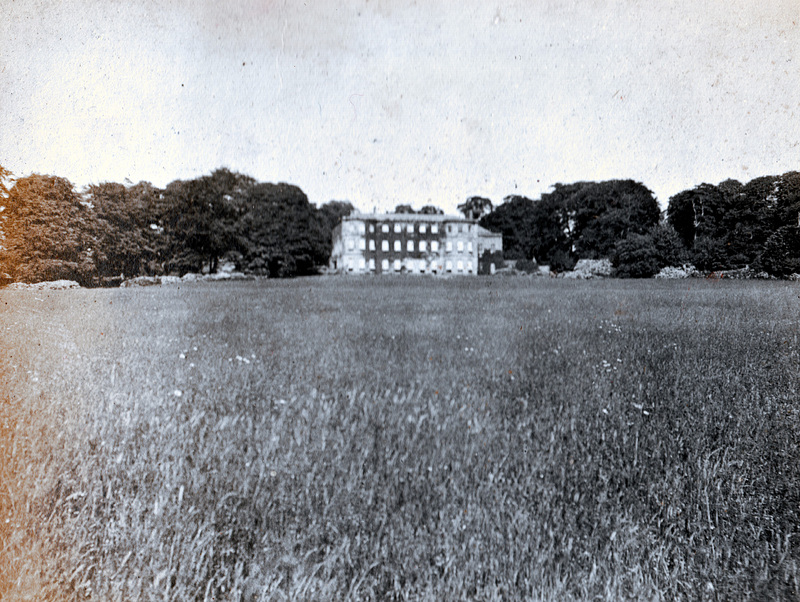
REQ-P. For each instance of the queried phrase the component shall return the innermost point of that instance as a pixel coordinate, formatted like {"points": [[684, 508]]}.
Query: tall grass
{"points": [[389, 439]]}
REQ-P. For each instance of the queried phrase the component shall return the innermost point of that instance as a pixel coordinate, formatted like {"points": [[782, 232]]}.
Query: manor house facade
{"points": [[414, 243]]}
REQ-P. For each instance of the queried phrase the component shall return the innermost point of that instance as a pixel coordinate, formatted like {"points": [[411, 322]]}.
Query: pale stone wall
{"points": [[413, 243]]}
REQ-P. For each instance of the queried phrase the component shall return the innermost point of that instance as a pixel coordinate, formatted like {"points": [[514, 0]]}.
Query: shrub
{"points": [[636, 257], [529, 266], [561, 261], [781, 254]]}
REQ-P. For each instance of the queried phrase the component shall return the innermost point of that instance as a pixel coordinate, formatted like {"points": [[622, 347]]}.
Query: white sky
{"points": [[387, 102]]}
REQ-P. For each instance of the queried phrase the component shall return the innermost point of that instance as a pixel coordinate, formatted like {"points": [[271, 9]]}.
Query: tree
{"points": [[553, 223], [50, 232], [726, 226], [787, 196], [281, 234], [636, 256], [607, 212], [130, 241], [476, 207], [781, 253], [643, 255], [201, 218], [330, 215], [669, 246], [404, 209], [431, 210], [514, 219]]}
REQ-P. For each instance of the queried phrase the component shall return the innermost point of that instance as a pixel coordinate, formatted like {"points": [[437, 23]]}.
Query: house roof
{"points": [[481, 231], [407, 217]]}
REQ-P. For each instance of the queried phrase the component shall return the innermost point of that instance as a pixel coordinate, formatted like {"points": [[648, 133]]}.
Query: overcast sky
{"points": [[396, 101]]}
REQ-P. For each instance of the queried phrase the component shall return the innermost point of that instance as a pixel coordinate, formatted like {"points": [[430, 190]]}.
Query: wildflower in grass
{"points": [[177, 393]]}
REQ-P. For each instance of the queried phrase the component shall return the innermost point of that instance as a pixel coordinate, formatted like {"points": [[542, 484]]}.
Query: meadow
{"points": [[401, 439]]}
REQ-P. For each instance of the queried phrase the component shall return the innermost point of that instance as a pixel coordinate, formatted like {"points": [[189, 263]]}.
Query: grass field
{"points": [[391, 439]]}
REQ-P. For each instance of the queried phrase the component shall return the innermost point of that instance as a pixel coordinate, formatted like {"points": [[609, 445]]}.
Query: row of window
{"points": [[419, 265], [422, 228], [398, 245]]}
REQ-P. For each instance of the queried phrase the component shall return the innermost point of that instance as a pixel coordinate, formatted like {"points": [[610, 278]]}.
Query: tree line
{"points": [[105, 232], [728, 226], [110, 231]]}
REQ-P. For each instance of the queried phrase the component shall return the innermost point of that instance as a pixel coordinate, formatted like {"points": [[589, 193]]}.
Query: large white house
{"points": [[414, 243]]}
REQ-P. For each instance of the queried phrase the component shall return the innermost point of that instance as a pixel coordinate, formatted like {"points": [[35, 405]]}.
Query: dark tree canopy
{"points": [[580, 220], [330, 215], [476, 207], [332, 212], [727, 226], [606, 212], [129, 236], [49, 231], [636, 256], [282, 234], [781, 253], [202, 215], [515, 220]]}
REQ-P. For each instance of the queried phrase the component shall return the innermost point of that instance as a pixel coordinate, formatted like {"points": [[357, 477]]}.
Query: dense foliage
{"points": [[734, 225], [574, 221], [111, 231], [714, 227], [50, 233]]}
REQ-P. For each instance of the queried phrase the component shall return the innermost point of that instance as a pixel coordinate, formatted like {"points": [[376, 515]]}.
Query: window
{"points": [[492, 245], [372, 264], [385, 228], [434, 228], [448, 266], [398, 228], [398, 246], [469, 267], [449, 246], [422, 228], [410, 245], [362, 244], [350, 264], [362, 263], [450, 228], [371, 244], [410, 229], [351, 244], [372, 228], [421, 266], [396, 265], [385, 265], [435, 246], [469, 247], [422, 245], [385, 246], [460, 266], [460, 246], [460, 228]]}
